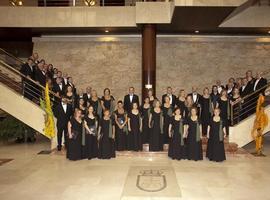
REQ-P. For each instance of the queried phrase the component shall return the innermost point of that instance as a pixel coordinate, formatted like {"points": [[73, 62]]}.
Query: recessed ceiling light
{"points": [[106, 31], [269, 32], [197, 31]]}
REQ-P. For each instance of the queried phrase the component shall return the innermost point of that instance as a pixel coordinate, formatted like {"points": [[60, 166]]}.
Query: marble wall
{"points": [[181, 62]]}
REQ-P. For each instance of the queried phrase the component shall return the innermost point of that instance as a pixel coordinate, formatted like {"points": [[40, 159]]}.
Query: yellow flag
{"points": [[49, 129]]}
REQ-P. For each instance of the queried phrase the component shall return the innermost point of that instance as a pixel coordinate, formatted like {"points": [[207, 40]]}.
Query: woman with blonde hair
{"points": [[156, 121]]}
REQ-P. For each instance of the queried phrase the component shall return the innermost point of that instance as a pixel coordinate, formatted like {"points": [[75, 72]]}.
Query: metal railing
{"points": [[246, 106], [67, 3], [27, 87]]}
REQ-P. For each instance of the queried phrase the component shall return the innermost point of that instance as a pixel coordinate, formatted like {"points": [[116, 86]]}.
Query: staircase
{"points": [[12, 100]]}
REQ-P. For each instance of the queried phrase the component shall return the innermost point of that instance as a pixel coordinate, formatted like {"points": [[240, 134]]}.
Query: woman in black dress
{"points": [[180, 102], [167, 111], [236, 106], [107, 101], [82, 108], [189, 104], [91, 126], [106, 137], [194, 135], [134, 128], [176, 133], [96, 103], [74, 143], [145, 110], [156, 124], [216, 134], [206, 110], [121, 131], [70, 96], [214, 96], [224, 106], [151, 96]]}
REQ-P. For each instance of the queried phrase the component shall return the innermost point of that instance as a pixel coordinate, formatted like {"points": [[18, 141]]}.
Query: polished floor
{"points": [[51, 177]]}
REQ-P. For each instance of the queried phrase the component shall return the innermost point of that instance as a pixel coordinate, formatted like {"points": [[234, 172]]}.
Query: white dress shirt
{"points": [[130, 97], [256, 83], [64, 105], [194, 97]]}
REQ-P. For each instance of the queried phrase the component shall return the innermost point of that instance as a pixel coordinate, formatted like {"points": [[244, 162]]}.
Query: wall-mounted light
{"points": [[197, 31], [16, 2], [90, 2], [107, 31], [268, 32]]}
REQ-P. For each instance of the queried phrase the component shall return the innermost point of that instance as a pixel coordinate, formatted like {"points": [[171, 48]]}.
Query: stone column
{"points": [[148, 59]]}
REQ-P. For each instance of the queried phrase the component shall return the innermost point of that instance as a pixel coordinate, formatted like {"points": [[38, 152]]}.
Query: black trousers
{"points": [[60, 131]]}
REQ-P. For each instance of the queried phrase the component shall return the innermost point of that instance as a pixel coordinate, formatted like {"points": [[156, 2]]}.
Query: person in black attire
{"points": [[40, 77], [171, 95], [91, 126], [225, 109], [50, 72], [167, 111], [156, 121], [134, 128], [181, 103], [250, 80], [216, 133], [259, 83], [27, 70], [75, 127], [206, 110], [244, 89], [214, 96], [196, 97], [70, 83], [87, 95], [130, 99], [220, 87], [194, 135], [106, 135], [58, 87], [121, 129], [176, 133], [145, 111], [63, 112]]}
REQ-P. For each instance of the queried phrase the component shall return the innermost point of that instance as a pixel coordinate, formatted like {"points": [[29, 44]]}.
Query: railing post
{"points": [[231, 114], [73, 2]]}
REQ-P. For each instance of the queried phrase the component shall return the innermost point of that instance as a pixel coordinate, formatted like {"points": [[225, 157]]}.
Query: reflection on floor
{"points": [[50, 177]]}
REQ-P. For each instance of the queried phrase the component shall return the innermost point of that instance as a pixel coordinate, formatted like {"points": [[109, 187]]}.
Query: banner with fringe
{"points": [[45, 104]]}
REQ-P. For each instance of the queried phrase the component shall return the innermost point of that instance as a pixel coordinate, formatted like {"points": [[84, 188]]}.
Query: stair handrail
{"points": [[16, 58], [25, 77], [251, 99]]}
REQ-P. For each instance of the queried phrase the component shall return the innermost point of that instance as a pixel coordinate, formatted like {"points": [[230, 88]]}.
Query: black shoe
{"points": [[59, 148]]}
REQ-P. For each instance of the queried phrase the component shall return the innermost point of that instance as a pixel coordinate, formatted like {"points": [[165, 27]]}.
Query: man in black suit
{"points": [[250, 80], [170, 95], [220, 87], [196, 97], [244, 89], [40, 74], [259, 83], [63, 112], [87, 95], [27, 70], [59, 87], [129, 99]]}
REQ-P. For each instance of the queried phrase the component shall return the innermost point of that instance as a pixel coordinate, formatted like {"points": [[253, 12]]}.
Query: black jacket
{"points": [[27, 70], [40, 77], [262, 82], [128, 104], [62, 116]]}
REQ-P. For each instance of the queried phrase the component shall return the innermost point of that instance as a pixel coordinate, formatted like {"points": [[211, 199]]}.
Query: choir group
{"points": [[95, 127]]}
